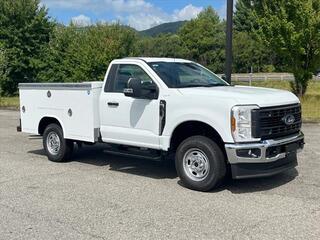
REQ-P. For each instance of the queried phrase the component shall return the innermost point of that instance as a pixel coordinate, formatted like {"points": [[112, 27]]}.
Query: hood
{"points": [[262, 97]]}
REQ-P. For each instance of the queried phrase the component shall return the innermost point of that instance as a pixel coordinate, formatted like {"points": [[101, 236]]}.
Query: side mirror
{"points": [[138, 88]]}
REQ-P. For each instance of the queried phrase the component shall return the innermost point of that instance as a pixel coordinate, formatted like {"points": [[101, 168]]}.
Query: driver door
{"points": [[127, 120]]}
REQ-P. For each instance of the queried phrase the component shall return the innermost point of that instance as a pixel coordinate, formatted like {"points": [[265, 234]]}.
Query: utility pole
{"points": [[229, 41]]}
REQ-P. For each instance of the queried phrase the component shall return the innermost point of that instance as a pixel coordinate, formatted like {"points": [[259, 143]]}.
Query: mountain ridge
{"points": [[170, 27]]}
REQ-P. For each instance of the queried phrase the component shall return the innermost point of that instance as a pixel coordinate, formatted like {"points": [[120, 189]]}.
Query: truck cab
{"points": [[162, 107]]}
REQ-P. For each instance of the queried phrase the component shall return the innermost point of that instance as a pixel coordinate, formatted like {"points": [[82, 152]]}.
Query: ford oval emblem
{"points": [[288, 119]]}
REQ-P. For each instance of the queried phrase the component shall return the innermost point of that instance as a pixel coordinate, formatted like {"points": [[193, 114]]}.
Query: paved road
{"points": [[99, 196]]}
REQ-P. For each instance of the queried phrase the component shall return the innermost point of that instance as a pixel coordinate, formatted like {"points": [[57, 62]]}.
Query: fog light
{"points": [[249, 153], [273, 151]]}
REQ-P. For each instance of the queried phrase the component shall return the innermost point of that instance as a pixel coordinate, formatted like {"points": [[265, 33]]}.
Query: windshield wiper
{"points": [[191, 85], [215, 85], [202, 85]]}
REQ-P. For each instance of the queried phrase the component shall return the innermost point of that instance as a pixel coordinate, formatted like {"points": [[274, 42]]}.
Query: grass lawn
{"points": [[310, 102], [9, 102]]}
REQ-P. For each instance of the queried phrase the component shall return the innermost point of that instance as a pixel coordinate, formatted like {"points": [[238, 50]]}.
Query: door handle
{"points": [[113, 104]]}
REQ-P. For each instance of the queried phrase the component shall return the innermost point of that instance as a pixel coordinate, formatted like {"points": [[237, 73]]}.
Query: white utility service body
{"points": [[74, 105], [155, 103]]}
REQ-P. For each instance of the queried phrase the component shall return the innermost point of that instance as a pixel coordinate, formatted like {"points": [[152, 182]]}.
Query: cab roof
{"points": [[155, 59]]}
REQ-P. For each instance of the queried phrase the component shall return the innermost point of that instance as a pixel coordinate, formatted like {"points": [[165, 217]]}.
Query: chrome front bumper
{"points": [[233, 158], [275, 156]]}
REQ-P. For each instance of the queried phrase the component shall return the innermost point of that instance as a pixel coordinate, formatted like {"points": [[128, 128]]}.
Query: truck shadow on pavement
{"points": [[95, 155], [259, 184]]}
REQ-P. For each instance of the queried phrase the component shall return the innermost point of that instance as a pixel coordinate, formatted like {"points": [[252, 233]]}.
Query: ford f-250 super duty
{"points": [[157, 107]]}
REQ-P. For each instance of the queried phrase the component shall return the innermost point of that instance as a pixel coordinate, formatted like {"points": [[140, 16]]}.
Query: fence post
{"points": [[250, 78]]}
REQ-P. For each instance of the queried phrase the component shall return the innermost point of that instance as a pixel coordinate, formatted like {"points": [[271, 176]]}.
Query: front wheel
{"points": [[200, 163], [57, 148]]}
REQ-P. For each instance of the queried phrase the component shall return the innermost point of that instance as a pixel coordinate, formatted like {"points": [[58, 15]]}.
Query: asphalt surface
{"points": [[100, 196]]}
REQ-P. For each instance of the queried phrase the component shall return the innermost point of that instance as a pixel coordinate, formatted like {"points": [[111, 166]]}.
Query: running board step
{"points": [[31, 137], [144, 154]]}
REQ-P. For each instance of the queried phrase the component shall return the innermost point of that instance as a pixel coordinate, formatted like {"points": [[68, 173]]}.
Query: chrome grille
{"points": [[273, 122]]}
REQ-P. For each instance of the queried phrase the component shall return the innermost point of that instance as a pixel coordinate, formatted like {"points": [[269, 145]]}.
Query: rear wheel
{"points": [[57, 148], [200, 163]]}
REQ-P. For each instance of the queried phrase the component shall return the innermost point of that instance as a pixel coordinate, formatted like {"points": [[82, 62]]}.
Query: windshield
{"points": [[186, 74]]}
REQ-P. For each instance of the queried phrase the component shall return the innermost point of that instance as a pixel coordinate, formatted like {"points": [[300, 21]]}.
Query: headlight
{"points": [[241, 123]]}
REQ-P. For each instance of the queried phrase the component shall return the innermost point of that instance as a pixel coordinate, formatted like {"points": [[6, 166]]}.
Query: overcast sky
{"points": [[139, 14]]}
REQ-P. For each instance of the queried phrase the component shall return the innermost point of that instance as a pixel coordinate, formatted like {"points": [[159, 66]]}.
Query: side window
{"points": [[124, 73], [110, 78]]}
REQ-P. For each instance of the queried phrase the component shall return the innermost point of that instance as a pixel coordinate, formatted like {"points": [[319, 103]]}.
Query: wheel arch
{"points": [[190, 128], [46, 120]]}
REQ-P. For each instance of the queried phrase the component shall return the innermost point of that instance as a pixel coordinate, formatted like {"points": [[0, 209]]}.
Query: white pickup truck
{"points": [[157, 107]]}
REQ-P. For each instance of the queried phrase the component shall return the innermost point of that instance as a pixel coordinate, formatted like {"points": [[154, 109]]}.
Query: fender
{"points": [[223, 132], [170, 127], [55, 117]]}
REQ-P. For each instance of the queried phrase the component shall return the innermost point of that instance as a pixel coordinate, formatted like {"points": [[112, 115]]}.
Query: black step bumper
{"points": [[265, 158], [253, 170]]}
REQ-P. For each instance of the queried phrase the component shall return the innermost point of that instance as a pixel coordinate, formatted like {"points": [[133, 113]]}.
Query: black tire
{"points": [[214, 155], [64, 152]]}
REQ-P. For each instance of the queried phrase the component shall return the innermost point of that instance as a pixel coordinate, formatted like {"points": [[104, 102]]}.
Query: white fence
{"points": [[247, 77]]}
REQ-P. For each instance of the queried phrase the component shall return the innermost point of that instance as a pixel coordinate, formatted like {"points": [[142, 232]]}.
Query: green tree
{"points": [[165, 45], [248, 52], [204, 37], [55, 66], [77, 54], [3, 65], [244, 19], [24, 31], [291, 29]]}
